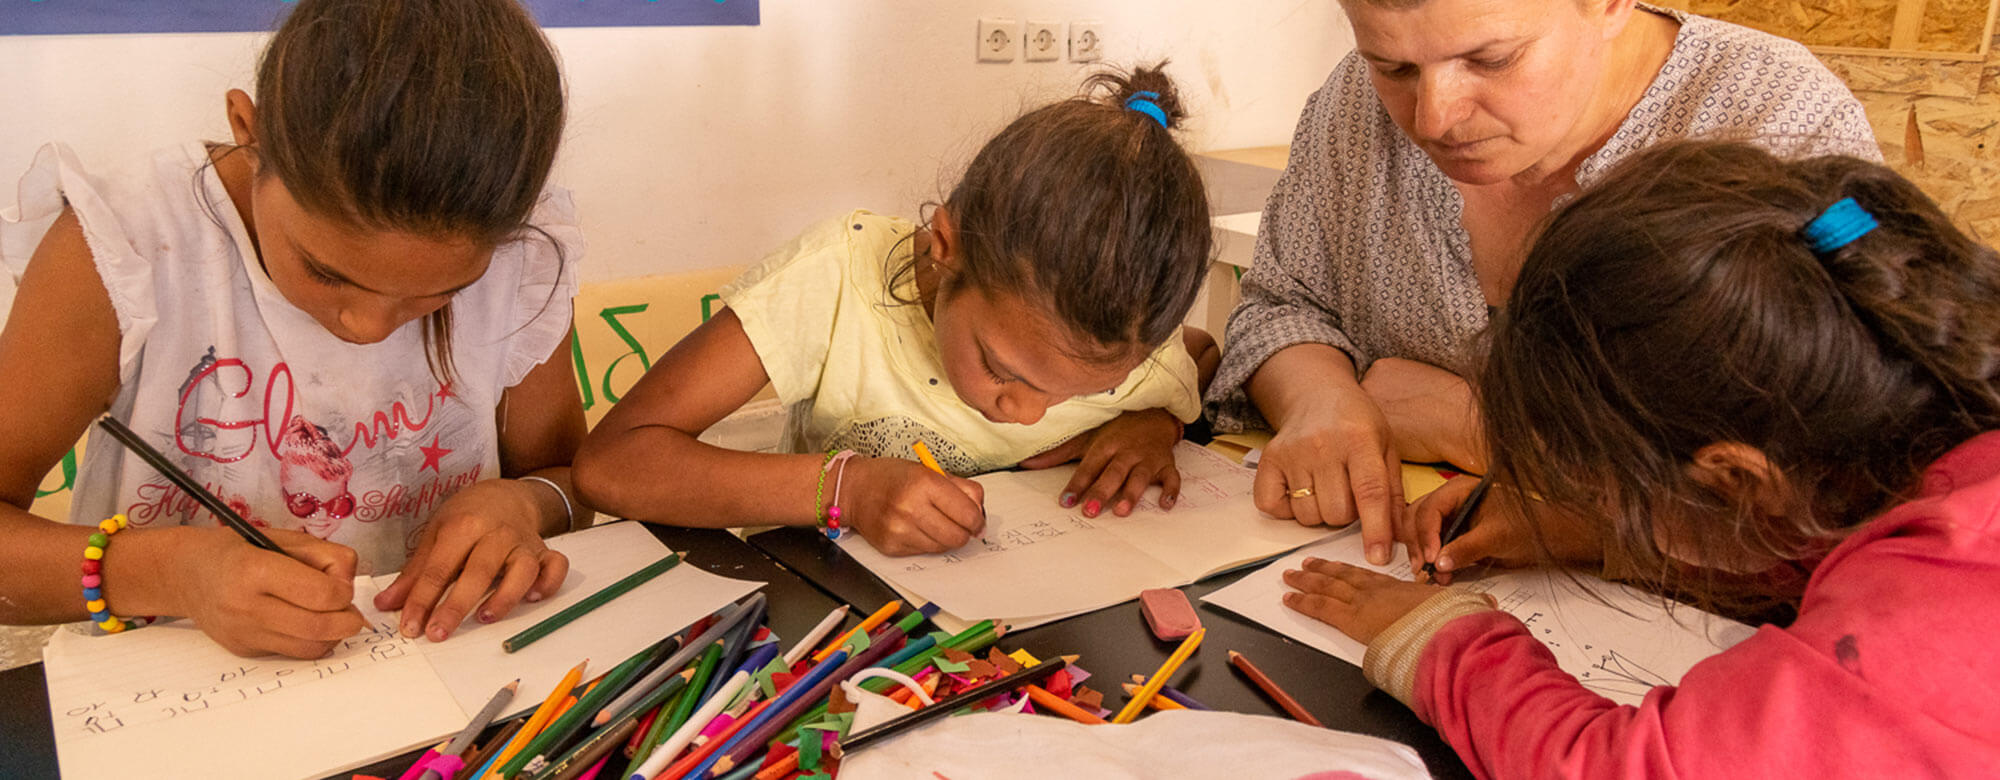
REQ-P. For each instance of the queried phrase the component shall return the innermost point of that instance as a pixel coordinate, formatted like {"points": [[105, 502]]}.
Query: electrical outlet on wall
{"points": [[1086, 41], [1044, 41], [999, 40]]}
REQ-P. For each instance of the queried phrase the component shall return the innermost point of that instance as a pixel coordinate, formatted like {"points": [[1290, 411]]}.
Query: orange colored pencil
{"points": [[1271, 689], [887, 611], [1159, 678], [543, 715], [780, 770], [1053, 703], [1161, 703]]}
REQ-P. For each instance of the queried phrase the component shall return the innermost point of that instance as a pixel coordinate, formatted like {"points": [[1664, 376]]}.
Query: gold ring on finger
{"points": [[1304, 492]]}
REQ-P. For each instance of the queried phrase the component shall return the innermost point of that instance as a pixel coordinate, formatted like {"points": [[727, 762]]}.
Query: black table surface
{"points": [[795, 606], [1114, 643]]}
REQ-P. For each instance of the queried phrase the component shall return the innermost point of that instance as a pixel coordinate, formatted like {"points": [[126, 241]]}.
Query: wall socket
{"points": [[1044, 41], [999, 40], [1086, 41]]}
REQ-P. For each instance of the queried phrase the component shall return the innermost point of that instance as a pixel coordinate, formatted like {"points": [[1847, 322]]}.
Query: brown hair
{"points": [[1092, 207], [1676, 305], [435, 117]]}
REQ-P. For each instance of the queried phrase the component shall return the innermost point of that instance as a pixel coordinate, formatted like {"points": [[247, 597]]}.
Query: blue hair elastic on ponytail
{"points": [[1838, 226], [1142, 102]]}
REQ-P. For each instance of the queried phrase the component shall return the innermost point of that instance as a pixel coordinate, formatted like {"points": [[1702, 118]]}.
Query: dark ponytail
{"points": [[1092, 206], [1677, 305]]}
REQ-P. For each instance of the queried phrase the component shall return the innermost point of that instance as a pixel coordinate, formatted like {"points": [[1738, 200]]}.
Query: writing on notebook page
{"points": [[201, 678]]}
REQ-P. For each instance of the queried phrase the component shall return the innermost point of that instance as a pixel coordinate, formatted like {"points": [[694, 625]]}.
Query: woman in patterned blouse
{"points": [[1417, 174]]}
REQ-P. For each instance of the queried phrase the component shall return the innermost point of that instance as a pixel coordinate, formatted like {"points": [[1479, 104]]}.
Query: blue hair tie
{"points": [[1142, 102], [1838, 226]]}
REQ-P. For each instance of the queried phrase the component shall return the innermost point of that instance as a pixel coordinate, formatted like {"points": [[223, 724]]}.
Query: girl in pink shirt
{"points": [[1728, 373]]}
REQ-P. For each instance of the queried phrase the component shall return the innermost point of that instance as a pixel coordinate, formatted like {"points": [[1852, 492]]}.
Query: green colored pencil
{"points": [[593, 601], [561, 729], [973, 639], [666, 724]]}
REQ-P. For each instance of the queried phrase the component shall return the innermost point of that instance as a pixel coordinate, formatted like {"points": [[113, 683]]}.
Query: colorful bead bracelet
{"points": [[93, 578], [829, 521]]}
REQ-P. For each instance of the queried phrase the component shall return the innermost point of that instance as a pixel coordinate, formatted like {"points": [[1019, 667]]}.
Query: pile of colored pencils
{"points": [[719, 701]]}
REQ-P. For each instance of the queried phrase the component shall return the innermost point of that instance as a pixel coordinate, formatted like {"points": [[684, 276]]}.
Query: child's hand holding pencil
{"points": [[906, 509]]}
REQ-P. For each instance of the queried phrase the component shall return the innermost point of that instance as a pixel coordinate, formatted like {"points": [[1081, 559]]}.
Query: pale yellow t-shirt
{"points": [[858, 369]]}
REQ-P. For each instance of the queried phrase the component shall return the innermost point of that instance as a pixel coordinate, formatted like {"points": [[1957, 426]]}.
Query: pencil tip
{"points": [[1233, 655]]}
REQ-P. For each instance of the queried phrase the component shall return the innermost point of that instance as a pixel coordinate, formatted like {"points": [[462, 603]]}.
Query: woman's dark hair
{"points": [[434, 117], [1092, 207], [1676, 305]]}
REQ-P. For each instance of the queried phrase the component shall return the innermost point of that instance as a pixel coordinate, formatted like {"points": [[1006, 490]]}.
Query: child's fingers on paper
{"points": [[549, 579], [1315, 582], [522, 569], [260, 640], [1104, 489], [483, 567], [398, 592], [431, 572], [1089, 470], [1141, 477], [1330, 611], [1349, 573]]}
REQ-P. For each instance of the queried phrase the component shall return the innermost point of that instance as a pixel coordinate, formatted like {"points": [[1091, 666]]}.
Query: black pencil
{"points": [[186, 483], [945, 707], [1458, 521]]}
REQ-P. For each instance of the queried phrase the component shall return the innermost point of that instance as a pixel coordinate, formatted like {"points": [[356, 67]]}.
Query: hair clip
{"points": [[1142, 102], [1838, 226]]}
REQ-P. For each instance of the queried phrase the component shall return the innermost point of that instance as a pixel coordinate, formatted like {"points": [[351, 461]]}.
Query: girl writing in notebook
{"points": [[1033, 319], [1729, 368], [350, 323]]}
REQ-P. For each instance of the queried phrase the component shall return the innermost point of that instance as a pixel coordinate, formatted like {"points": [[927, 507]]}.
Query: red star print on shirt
{"points": [[433, 455]]}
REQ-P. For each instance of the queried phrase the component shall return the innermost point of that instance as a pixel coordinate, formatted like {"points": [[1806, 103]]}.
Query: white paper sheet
{"points": [[1619, 654], [182, 707], [1038, 560]]}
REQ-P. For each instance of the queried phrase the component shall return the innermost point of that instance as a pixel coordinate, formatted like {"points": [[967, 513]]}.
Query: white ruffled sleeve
{"points": [[545, 298], [56, 179]]}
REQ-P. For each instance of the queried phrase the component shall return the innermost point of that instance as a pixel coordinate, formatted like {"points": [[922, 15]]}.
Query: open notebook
{"points": [[167, 702], [1037, 561]]}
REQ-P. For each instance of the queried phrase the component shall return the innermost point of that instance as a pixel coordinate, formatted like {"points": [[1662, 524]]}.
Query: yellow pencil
{"points": [[887, 611], [924, 454], [1159, 678], [1159, 702], [542, 716]]}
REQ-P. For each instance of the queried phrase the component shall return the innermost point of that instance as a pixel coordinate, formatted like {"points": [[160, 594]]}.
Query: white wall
{"points": [[702, 147]]}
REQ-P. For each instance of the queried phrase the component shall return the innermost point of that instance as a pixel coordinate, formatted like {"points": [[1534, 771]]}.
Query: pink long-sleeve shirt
{"points": [[1892, 669]]}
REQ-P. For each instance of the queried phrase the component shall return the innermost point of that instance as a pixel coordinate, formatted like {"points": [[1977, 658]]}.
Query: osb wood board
{"points": [[1906, 75], [1958, 164], [1942, 29]]}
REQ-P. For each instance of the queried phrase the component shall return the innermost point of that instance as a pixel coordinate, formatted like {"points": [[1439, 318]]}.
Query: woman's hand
{"points": [[1431, 412], [253, 601], [484, 538], [1332, 462], [1121, 458], [905, 509], [1359, 602]]}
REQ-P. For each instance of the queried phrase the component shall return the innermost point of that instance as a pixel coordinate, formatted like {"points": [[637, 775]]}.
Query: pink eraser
{"points": [[1168, 613]]}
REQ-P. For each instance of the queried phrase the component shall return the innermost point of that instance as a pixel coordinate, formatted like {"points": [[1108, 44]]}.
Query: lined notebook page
{"points": [[167, 702]]}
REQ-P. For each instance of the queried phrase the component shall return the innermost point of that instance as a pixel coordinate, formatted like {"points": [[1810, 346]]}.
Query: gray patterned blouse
{"points": [[1361, 246]]}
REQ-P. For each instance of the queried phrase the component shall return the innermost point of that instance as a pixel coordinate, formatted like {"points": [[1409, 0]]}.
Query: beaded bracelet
{"points": [[93, 578], [829, 520]]}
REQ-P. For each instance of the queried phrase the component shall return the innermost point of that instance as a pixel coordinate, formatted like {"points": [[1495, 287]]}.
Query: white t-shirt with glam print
{"points": [[294, 428]]}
